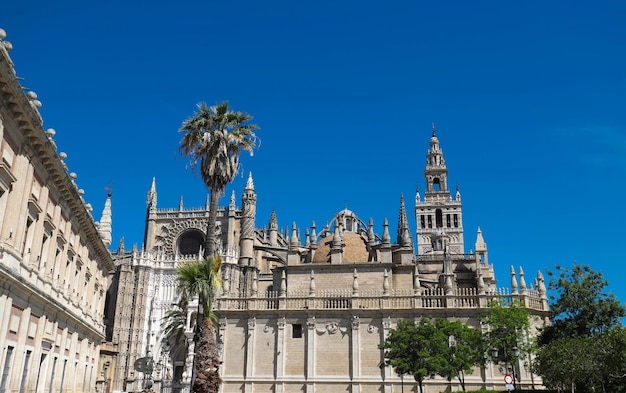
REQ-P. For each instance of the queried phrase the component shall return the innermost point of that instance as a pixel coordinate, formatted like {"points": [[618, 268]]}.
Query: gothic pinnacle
{"points": [[404, 239], [250, 183], [273, 220], [151, 200]]}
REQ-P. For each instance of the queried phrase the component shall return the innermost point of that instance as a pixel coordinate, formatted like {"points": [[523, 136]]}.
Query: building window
{"points": [[430, 221], [422, 222], [6, 369], [448, 220], [439, 218], [63, 376], [54, 368], [25, 372], [85, 379], [296, 330], [456, 220]]}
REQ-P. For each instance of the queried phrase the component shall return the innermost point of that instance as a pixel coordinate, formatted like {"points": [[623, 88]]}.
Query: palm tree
{"points": [[174, 322], [213, 140], [201, 279]]}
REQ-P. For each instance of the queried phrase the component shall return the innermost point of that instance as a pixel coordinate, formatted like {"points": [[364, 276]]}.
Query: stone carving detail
{"points": [[167, 238], [268, 329], [281, 323], [332, 328], [355, 322], [372, 329], [251, 324]]}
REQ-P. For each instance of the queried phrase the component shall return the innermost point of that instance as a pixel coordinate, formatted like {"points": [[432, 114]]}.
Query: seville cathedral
{"points": [[301, 310]]}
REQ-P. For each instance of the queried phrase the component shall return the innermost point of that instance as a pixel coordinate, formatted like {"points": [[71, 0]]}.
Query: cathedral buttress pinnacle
{"points": [[404, 236]]}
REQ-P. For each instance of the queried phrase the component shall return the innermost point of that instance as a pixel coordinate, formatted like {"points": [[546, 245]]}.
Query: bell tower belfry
{"points": [[439, 212]]}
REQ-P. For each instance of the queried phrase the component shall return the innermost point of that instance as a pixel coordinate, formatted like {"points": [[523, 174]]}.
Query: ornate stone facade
{"points": [[54, 262], [307, 314]]}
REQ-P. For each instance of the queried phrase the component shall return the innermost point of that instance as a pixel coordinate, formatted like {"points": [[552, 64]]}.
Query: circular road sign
{"points": [[508, 379]]}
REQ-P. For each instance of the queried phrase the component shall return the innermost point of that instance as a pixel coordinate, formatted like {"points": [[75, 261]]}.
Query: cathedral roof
{"points": [[354, 249]]}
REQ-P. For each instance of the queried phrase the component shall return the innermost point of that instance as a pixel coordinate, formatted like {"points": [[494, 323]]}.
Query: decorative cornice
{"points": [[29, 122]]}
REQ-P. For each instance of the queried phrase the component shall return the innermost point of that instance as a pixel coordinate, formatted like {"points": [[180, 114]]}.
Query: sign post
{"points": [[509, 382]]}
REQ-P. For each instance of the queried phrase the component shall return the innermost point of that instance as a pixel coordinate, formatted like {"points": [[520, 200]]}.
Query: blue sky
{"points": [[528, 99]]}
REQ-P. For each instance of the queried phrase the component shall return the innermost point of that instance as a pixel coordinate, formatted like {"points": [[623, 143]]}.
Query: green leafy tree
{"points": [[213, 139], [584, 348], [564, 363], [580, 306], [507, 339], [201, 279], [460, 349], [410, 349], [611, 350]]}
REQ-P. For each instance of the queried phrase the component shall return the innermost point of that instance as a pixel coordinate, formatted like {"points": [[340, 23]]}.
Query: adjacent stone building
{"points": [[54, 261], [305, 311]]}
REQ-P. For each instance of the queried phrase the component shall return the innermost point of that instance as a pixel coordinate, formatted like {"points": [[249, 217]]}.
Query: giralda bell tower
{"points": [[439, 216]]}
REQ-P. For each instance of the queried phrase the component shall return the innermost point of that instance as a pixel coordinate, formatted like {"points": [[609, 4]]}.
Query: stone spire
{"points": [[522, 282], [273, 229], [514, 287], [386, 237], [480, 249], [151, 199], [371, 239], [232, 205], [293, 251], [105, 227], [313, 240], [385, 247], [248, 215], [249, 182], [120, 247], [404, 235], [336, 247], [151, 215], [371, 242], [404, 254], [294, 242]]}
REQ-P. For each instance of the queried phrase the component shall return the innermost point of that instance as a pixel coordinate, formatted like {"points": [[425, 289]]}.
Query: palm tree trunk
{"points": [[207, 361], [209, 246]]}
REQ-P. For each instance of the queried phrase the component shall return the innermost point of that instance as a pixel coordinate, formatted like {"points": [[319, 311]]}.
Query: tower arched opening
{"points": [[438, 218]]}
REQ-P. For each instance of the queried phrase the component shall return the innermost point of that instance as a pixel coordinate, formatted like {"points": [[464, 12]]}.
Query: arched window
{"points": [[438, 218], [190, 241], [436, 184]]}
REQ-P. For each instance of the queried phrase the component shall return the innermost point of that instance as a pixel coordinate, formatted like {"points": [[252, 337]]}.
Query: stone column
{"points": [[355, 355], [249, 388], [310, 354], [387, 377], [280, 354]]}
